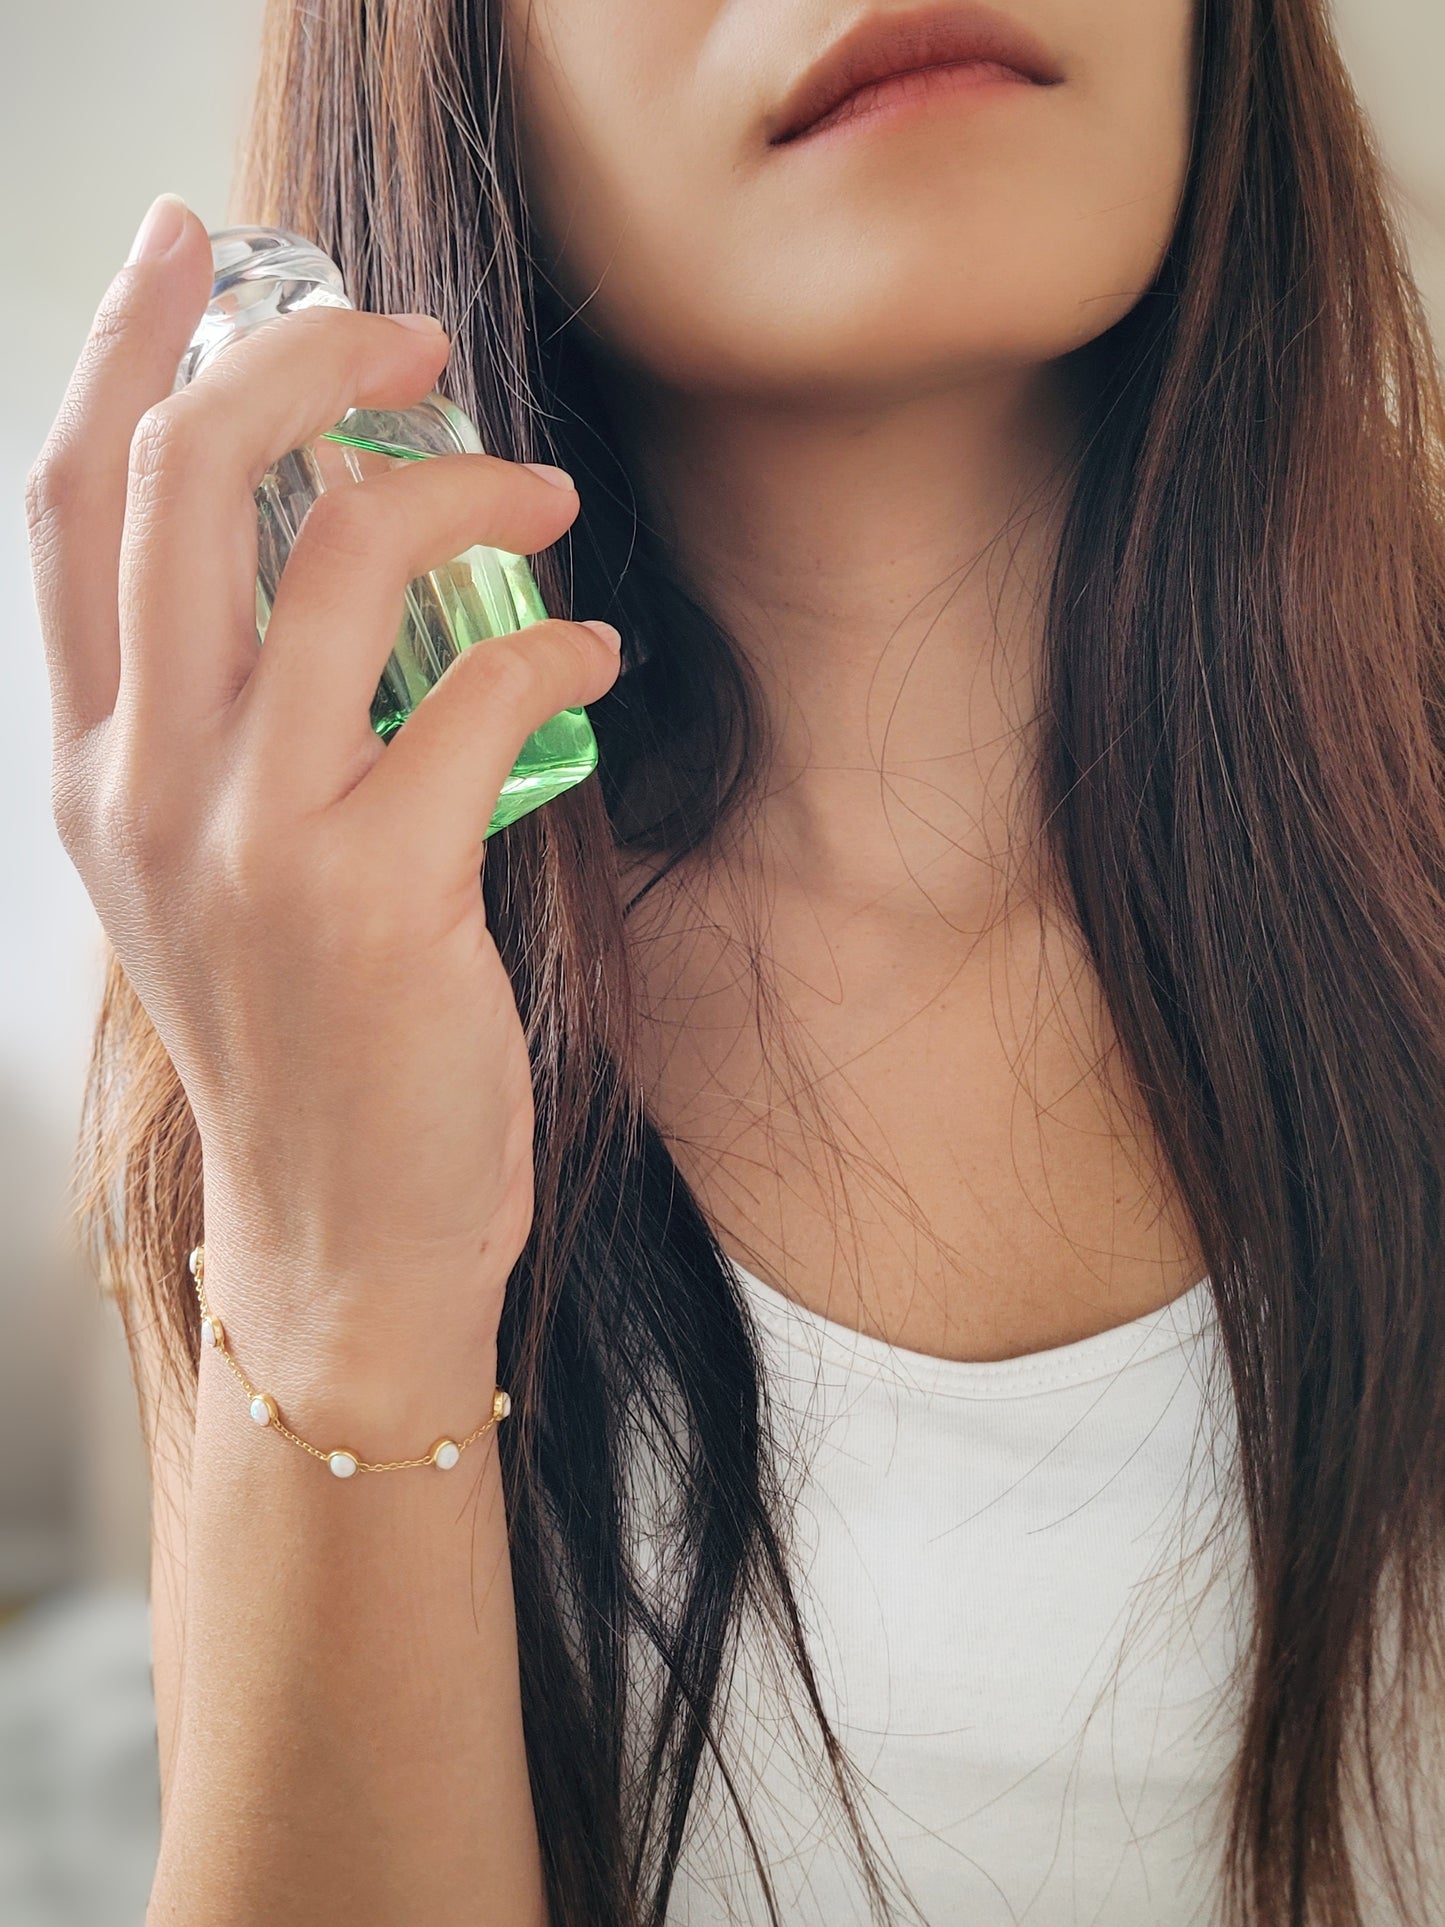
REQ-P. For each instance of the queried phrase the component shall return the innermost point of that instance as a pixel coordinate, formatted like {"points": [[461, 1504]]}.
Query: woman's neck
{"points": [[915, 1120], [884, 565]]}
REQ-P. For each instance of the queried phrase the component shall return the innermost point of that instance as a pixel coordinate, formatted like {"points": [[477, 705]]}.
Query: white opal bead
{"points": [[501, 1404], [262, 1409], [210, 1331], [195, 1262], [343, 1464], [445, 1453]]}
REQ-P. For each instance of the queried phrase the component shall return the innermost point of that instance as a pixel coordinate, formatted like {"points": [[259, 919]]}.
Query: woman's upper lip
{"points": [[896, 43]]}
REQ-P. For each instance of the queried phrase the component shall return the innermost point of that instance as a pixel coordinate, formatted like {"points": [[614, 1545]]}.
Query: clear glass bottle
{"points": [[261, 272]]}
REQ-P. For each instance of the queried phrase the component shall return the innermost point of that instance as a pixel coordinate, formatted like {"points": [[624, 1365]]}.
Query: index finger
{"points": [[188, 555]]}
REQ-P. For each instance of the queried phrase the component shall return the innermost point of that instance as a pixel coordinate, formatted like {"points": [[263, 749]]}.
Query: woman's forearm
{"points": [[297, 906], [348, 1725]]}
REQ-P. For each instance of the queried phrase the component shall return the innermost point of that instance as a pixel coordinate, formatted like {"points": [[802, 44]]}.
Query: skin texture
{"points": [[847, 408], [846, 384], [995, 231]]}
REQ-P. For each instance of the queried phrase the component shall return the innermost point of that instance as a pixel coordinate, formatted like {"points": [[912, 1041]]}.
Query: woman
{"points": [[971, 1060]]}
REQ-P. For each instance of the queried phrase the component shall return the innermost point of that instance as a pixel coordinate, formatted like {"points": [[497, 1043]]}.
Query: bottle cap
{"points": [[260, 272]]}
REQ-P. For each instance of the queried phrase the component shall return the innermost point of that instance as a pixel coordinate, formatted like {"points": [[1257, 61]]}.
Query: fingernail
{"points": [[604, 629], [424, 324], [160, 230], [558, 477]]}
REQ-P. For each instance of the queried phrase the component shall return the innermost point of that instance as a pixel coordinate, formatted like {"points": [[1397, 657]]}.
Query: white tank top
{"points": [[1024, 1632]]}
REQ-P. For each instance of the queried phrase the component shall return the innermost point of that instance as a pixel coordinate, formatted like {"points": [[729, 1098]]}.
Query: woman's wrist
{"points": [[353, 1249], [350, 1363], [394, 1416]]}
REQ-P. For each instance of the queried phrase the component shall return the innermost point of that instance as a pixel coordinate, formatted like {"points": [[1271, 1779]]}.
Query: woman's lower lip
{"points": [[900, 93]]}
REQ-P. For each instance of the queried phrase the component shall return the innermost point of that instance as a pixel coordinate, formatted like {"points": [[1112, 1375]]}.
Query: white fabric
{"points": [[1025, 1585]]}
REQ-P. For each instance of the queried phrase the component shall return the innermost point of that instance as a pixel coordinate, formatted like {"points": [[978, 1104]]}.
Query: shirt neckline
{"points": [[1184, 1320]]}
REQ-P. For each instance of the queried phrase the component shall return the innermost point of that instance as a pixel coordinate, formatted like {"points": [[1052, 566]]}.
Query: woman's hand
{"points": [[297, 904]]}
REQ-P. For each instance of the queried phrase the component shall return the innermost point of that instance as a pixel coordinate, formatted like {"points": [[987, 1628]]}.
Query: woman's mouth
{"points": [[895, 61], [902, 93]]}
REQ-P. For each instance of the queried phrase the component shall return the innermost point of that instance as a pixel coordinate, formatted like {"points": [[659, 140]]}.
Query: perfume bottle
{"points": [[261, 272]]}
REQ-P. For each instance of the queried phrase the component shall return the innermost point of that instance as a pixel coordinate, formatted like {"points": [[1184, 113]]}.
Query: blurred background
{"points": [[105, 104]]}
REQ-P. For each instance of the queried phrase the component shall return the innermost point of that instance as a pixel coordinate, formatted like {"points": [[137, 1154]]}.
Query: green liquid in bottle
{"points": [[479, 595], [261, 273]]}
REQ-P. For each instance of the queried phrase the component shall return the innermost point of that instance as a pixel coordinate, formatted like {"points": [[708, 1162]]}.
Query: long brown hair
{"points": [[1240, 757]]}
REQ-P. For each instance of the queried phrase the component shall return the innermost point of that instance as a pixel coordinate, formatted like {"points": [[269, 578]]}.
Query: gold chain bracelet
{"points": [[444, 1454]]}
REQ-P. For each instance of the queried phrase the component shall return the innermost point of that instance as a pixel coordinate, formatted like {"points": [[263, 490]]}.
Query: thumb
{"points": [[153, 305], [76, 492], [441, 775]]}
